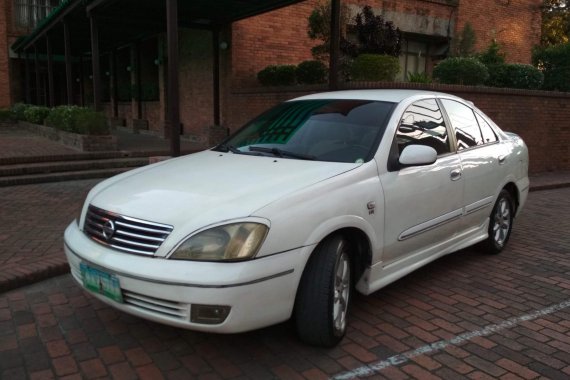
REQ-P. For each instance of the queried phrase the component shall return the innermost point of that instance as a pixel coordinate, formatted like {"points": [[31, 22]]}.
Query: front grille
{"points": [[157, 306], [125, 233]]}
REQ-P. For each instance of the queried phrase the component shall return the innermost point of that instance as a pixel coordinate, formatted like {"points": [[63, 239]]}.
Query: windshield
{"points": [[324, 130]]}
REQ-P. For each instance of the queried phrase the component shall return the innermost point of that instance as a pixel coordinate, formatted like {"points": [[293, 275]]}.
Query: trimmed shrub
{"points": [[554, 62], [18, 110], [457, 70], [311, 72], [7, 116], [277, 75], [36, 114], [375, 67], [515, 75], [78, 120]]}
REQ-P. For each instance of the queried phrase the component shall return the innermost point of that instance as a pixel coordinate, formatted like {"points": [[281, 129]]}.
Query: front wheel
{"points": [[321, 306], [501, 223]]}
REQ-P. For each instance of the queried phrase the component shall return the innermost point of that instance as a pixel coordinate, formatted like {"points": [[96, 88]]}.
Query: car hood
{"points": [[200, 189]]}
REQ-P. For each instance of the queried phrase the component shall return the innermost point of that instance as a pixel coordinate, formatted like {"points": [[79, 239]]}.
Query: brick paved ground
{"points": [[53, 328], [16, 142], [32, 221]]}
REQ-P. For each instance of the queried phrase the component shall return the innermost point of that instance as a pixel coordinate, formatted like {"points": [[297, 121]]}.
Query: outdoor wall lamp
{"points": [[129, 68], [223, 45], [158, 61], [107, 73]]}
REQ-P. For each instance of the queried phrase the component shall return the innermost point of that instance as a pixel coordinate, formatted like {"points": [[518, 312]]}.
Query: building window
{"points": [[29, 13], [412, 58]]}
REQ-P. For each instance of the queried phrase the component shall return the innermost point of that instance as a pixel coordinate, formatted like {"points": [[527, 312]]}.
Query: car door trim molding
{"points": [[431, 224], [479, 205]]}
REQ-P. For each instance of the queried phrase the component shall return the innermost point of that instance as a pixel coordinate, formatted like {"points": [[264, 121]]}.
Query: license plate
{"points": [[101, 282]]}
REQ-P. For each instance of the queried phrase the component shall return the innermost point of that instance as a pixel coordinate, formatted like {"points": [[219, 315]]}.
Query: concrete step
{"points": [[79, 157], [70, 166], [59, 177]]}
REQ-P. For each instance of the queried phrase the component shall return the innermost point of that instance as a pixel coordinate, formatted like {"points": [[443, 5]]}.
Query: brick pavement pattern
{"points": [[32, 221], [17, 142], [55, 329]]}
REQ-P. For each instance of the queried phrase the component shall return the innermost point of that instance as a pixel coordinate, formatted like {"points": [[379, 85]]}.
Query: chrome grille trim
{"points": [[157, 306], [130, 235]]}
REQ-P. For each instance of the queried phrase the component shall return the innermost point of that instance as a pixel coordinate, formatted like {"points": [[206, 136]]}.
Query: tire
{"points": [[500, 224], [321, 306]]}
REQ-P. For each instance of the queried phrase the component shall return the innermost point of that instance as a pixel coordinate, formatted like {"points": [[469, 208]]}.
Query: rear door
{"points": [[482, 158]]}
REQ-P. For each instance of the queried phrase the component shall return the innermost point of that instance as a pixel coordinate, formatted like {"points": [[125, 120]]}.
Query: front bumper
{"points": [[260, 292]]}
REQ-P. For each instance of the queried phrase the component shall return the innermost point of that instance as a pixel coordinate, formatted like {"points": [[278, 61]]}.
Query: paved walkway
{"points": [[466, 316]]}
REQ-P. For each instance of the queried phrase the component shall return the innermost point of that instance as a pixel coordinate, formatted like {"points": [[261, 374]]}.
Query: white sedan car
{"points": [[318, 197]]}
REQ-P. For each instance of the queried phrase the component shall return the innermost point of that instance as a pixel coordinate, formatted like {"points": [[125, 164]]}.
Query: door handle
{"points": [[455, 174], [502, 159]]}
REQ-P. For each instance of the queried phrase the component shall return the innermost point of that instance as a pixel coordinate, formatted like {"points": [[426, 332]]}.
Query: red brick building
{"points": [[133, 56]]}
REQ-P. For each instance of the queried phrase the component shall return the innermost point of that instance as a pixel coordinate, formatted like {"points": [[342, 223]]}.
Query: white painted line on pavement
{"points": [[371, 369]]}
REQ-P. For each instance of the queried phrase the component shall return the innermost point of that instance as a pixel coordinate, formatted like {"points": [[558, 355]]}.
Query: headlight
{"points": [[236, 241]]}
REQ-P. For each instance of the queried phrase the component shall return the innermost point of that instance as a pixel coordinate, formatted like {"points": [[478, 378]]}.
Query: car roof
{"points": [[386, 95]]}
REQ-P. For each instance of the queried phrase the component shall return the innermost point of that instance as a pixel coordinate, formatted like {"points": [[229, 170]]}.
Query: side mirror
{"points": [[417, 155]]}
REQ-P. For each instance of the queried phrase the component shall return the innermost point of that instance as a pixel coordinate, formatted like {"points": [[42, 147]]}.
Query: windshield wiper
{"points": [[230, 148], [282, 153]]}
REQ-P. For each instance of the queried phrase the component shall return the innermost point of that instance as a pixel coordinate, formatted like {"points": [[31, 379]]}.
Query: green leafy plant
{"points": [[492, 55], [7, 116], [464, 46], [375, 67], [18, 110], [516, 75], [36, 114], [311, 72], [419, 77], [458, 70], [78, 120], [277, 75], [554, 62], [319, 28], [375, 35]]}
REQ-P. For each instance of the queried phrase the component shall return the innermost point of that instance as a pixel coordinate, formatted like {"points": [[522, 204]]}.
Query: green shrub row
{"points": [[515, 75], [80, 120], [460, 70], [472, 72], [307, 72], [73, 119]]}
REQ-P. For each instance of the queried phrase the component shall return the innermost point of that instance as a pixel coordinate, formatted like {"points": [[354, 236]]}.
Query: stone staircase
{"points": [[29, 170]]}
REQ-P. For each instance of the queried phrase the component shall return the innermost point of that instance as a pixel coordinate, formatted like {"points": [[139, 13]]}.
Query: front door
{"points": [[423, 204]]}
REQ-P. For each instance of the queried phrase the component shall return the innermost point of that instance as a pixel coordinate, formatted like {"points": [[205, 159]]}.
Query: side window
{"points": [[463, 120], [423, 124], [489, 135]]}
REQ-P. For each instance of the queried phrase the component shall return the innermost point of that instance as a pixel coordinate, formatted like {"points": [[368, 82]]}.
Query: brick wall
{"points": [[539, 117], [515, 24], [280, 37]]}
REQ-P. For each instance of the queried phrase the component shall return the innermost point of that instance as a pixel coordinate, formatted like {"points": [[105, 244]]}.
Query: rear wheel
{"points": [[321, 306], [501, 223]]}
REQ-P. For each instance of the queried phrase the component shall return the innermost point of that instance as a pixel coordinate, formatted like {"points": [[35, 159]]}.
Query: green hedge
{"points": [[78, 120], [7, 116], [554, 61], [36, 114], [458, 70], [19, 109], [278, 75], [311, 72], [374, 67], [515, 75]]}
